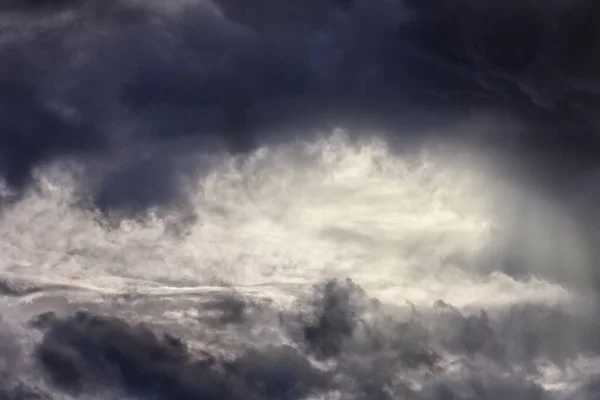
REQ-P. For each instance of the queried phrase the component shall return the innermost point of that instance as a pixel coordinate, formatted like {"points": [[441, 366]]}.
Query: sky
{"points": [[173, 164]]}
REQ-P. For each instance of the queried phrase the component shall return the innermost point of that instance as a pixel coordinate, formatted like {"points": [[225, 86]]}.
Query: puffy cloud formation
{"points": [[136, 99], [338, 340]]}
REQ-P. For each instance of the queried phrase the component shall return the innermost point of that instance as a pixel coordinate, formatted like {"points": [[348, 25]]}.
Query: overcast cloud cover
{"points": [[317, 199]]}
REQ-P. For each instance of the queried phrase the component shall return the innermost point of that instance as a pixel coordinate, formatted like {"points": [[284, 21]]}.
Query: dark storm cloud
{"points": [[538, 61], [91, 77], [86, 352]]}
